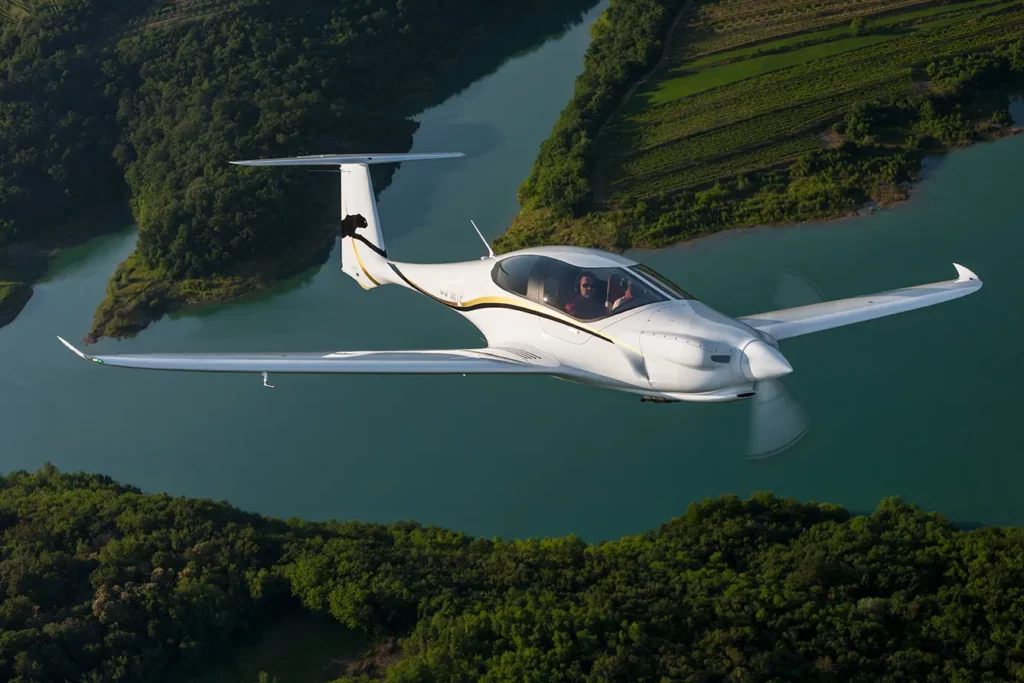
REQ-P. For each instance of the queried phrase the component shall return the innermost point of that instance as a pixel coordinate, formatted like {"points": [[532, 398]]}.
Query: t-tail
{"points": [[364, 257]]}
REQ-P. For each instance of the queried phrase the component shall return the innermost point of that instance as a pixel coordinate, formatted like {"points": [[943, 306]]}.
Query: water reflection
{"points": [[70, 261], [282, 289]]}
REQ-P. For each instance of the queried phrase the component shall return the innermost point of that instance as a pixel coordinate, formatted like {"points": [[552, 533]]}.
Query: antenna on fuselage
{"points": [[490, 252]]}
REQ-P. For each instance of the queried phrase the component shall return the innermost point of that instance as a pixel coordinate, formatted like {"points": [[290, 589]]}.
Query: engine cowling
{"points": [[676, 362], [691, 348]]}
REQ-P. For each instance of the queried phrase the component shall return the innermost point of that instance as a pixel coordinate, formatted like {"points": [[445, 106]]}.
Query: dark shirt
{"points": [[584, 307]]}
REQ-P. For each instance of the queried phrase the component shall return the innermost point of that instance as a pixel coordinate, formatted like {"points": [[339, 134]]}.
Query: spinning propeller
{"points": [[777, 421]]}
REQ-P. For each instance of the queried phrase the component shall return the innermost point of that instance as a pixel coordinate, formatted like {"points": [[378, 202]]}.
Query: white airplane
{"points": [[582, 315]]}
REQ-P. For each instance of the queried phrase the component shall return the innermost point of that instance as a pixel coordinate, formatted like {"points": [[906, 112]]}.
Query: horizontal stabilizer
{"points": [[339, 159]]}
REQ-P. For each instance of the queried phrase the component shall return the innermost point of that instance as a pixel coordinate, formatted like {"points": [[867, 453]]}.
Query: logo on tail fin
{"points": [[353, 222], [349, 224]]}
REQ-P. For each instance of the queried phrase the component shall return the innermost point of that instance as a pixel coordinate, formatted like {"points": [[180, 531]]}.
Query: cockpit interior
{"points": [[583, 293]]}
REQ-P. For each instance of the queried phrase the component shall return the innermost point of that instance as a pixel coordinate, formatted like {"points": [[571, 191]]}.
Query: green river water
{"points": [[921, 405]]}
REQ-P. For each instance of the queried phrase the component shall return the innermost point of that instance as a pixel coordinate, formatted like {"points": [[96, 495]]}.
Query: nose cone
{"points": [[761, 361]]}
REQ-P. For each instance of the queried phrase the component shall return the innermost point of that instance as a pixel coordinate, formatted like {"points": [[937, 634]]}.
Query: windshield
{"points": [[583, 293], [662, 281]]}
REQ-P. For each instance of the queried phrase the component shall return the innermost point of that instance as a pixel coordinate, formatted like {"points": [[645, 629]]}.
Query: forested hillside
{"points": [[57, 117], [103, 99], [57, 131], [99, 582]]}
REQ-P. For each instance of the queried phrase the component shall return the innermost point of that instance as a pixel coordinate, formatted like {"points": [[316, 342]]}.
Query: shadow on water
{"points": [[280, 289], [74, 242], [70, 260], [1017, 110]]}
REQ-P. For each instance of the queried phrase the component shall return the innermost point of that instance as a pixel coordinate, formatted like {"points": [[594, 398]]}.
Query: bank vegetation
{"points": [[101, 582]]}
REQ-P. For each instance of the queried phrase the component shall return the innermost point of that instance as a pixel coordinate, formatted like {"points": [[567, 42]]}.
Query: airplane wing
{"points": [[793, 322], [453, 362]]}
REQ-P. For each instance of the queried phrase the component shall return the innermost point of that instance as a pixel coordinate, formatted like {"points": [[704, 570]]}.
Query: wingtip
{"points": [[965, 274], [68, 344]]}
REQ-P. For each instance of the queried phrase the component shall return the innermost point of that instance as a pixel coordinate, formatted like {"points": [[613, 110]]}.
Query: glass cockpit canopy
{"points": [[583, 293]]}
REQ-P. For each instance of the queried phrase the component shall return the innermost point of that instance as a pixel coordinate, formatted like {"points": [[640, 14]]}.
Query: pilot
{"points": [[586, 304], [625, 298]]}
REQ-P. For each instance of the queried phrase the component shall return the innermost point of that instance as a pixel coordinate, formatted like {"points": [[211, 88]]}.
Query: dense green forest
{"points": [[100, 582], [102, 100], [57, 117], [753, 113]]}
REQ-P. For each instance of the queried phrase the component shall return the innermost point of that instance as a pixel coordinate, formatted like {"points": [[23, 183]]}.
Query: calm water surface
{"points": [[922, 405]]}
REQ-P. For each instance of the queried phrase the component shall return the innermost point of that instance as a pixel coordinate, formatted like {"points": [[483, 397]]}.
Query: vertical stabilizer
{"points": [[363, 255]]}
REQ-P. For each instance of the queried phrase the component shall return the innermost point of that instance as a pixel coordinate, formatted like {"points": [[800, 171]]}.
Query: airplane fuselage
{"points": [[673, 348]]}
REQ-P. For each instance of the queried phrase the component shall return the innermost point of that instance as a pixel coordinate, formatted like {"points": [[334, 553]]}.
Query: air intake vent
{"points": [[525, 355]]}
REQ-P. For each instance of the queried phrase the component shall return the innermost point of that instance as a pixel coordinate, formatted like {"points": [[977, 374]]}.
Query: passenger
{"points": [[585, 304], [625, 298]]}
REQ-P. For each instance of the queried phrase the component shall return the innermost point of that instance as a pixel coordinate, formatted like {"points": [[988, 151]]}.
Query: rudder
{"points": [[363, 255]]}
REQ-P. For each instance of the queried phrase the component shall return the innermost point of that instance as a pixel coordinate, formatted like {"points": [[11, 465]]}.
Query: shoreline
{"points": [[912, 188], [27, 263], [154, 298], [602, 228], [14, 296], [151, 298]]}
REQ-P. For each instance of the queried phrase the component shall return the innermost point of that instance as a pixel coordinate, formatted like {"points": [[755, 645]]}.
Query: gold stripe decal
{"points": [[361, 266]]}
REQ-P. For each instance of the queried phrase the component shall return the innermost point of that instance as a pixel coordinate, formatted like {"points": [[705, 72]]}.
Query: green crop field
{"points": [[748, 85]]}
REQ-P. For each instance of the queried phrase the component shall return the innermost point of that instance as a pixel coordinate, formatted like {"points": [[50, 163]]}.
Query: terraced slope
{"points": [[764, 111], [713, 113]]}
